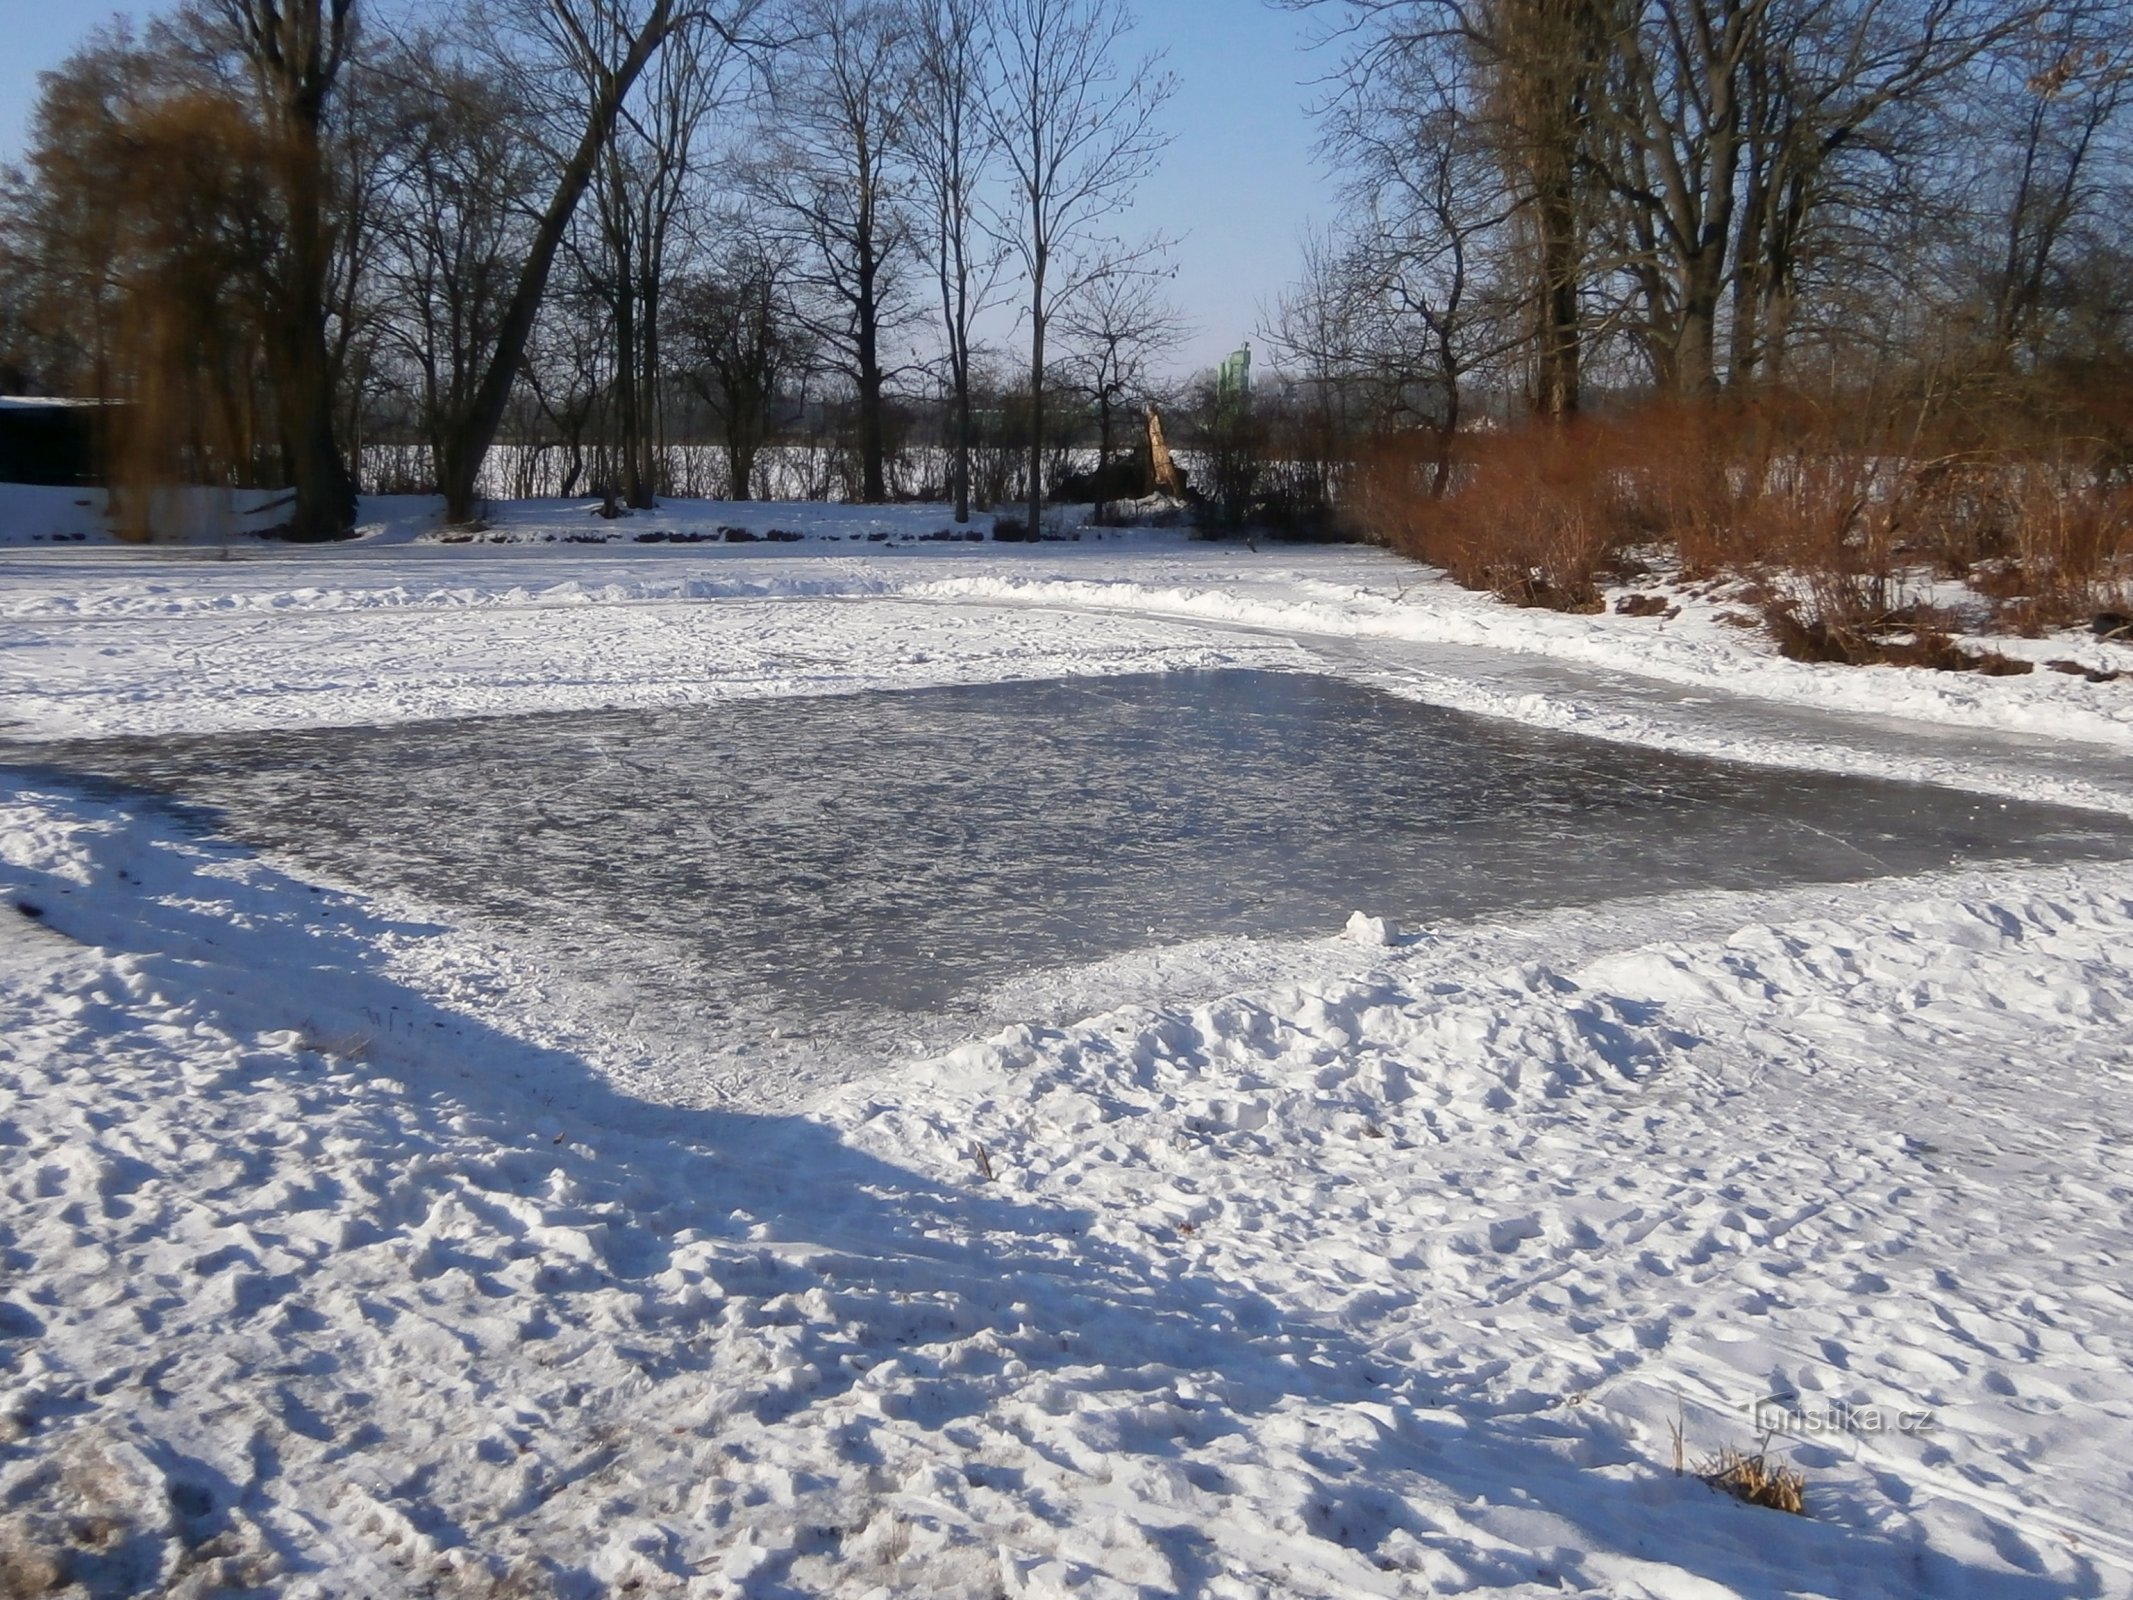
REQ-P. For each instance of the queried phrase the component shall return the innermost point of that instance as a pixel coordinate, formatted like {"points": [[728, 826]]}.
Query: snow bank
{"points": [[1696, 649], [300, 637], [332, 1260], [36, 514], [33, 514], [680, 522], [325, 1276]]}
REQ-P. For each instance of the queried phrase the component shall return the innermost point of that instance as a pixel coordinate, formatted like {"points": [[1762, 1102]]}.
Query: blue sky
{"points": [[1239, 185], [38, 34]]}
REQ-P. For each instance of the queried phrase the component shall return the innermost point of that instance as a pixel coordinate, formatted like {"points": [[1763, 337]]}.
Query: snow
{"points": [[335, 1259], [1365, 929], [110, 640]]}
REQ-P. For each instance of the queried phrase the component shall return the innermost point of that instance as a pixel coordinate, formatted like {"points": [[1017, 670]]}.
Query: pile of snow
{"points": [[324, 1274], [1366, 929]]}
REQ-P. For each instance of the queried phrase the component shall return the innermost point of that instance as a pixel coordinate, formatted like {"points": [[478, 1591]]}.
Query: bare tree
{"points": [[641, 186], [1539, 65], [602, 47], [841, 96], [568, 377], [1318, 330], [1426, 285], [739, 341], [950, 150], [1669, 165], [453, 229], [1077, 134], [295, 50], [2071, 91], [1519, 79], [1115, 330], [1720, 122]]}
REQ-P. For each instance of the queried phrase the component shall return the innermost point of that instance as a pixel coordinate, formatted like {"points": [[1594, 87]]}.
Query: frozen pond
{"points": [[902, 852]]}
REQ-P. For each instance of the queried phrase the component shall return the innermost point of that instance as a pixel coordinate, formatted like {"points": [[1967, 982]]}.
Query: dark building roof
{"points": [[52, 441]]}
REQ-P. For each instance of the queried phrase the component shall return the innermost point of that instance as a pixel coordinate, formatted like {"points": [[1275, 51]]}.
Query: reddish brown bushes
{"points": [[1525, 515], [2068, 553], [1841, 505]]}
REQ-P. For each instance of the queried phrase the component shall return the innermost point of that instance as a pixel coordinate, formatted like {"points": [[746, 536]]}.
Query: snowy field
{"points": [[340, 1255]]}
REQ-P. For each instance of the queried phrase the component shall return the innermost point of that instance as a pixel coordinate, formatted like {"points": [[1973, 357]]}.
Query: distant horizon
{"points": [[1239, 186]]}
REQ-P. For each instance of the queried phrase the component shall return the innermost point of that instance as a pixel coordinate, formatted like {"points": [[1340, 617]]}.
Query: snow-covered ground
{"points": [[334, 1261], [106, 640]]}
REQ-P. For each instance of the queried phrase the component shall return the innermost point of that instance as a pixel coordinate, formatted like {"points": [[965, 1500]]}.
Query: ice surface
{"points": [[867, 860]]}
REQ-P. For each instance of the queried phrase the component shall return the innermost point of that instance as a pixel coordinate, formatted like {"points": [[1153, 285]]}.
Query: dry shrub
{"points": [[2072, 540], [1526, 516], [1819, 640], [342, 1047], [1757, 1480], [27, 1566], [1956, 511], [2022, 487], [1537, 515], [1830, 499], [1645, 605], [1818, 510], [1679, 476], [1852, 620]]}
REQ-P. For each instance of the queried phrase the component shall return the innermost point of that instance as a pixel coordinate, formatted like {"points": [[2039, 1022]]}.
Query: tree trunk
{"points": [[1706, 265], [955, 316], [965, 440], [1777, 327], [1103, 458], [1559, 375], [1751, 288], [651, 413], [475, 432], [325, 492], [1036, 403], [1440, 478], [1695, 352], [874, 486], [629, 425]]}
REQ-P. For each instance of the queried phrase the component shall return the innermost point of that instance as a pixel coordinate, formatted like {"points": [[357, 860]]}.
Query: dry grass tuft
{"points": [[1757, 1480], [27, 1567], [350, 1048]]}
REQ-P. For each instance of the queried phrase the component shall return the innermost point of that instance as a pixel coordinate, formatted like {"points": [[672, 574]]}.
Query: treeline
{"points": [[1826, 280], [1564, 198], [290, 231]]}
